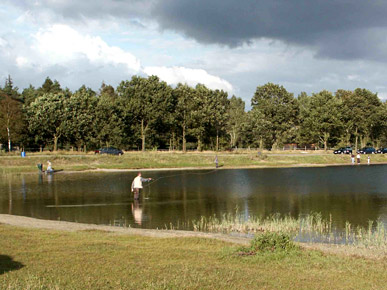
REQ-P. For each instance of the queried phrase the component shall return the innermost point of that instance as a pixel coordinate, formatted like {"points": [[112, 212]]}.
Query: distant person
{"points": [[137, 185], [216, 161], [352, 159], [369, 160], [49, 166], [358, 158]]}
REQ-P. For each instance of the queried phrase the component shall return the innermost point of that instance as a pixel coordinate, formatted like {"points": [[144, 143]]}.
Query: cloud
{"points": [[341, 29], [175, 75], [65, 54], [81, 10], [337, 29], [61, 43]]}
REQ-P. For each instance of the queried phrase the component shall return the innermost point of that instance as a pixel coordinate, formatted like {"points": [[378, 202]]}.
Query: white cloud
{"points": [[60, 44], [174, 75]]}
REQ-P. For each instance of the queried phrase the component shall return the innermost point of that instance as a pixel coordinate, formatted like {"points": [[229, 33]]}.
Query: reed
{"points": [[309, 228]]}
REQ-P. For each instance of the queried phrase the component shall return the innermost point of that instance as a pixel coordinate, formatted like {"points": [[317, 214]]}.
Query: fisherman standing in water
{"points": [[216, 161], [49, 166], [137, 185]]}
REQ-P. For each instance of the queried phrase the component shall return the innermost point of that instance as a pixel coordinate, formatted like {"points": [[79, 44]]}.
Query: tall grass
{"points": [[309, 228]]}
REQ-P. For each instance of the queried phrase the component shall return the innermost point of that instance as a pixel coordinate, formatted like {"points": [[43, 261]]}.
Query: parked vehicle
{"points": [[382, 151], [109, 150], [343, 150], [367, 150]]}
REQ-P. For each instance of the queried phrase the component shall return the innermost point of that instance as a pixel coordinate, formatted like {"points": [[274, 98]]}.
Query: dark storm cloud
{"points": [[343, 29], [339, 29], [88, 9]]}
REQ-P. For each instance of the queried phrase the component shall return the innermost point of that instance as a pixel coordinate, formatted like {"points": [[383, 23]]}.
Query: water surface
{"points": [[349, 193]]}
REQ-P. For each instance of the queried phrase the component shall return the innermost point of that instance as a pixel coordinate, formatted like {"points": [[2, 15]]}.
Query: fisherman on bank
{"points": [[137, 185], [358, 158]]}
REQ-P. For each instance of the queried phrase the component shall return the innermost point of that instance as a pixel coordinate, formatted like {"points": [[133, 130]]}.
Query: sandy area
{"points": [[33, 223]]}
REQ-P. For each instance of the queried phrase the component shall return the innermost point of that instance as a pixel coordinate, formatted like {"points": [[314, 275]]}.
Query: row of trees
{"points": [[147, 113]]}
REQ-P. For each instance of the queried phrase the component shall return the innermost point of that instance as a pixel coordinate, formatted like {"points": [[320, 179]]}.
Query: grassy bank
{"points": [[42, 259], [70, 161]]}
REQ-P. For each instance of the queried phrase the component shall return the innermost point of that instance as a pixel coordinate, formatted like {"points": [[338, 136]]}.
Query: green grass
{"points": [[42, 259], [74, 161]]}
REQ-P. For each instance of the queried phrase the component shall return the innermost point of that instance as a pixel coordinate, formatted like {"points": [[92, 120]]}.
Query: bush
{"points": [[270, 242]]}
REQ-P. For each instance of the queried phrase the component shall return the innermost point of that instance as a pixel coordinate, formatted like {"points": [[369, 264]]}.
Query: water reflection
{"points": [[137, 212], [353, 193]]}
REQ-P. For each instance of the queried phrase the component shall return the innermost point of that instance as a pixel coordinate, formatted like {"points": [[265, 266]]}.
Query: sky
{"points": [[303, 45]]}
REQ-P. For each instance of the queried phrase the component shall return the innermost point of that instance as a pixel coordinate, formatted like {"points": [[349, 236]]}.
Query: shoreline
{"points": [[35, 223], [96, 170], [52, 225]]}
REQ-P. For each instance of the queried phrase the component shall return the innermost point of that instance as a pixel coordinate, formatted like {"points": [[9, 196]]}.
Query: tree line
{"points": [[147, 113]]}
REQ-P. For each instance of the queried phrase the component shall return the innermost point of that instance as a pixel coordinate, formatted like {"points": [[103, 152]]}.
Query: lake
{"points": [[349, 193]]}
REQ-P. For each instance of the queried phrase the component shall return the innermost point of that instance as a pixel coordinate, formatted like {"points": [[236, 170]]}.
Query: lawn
{"points": [[70, 161], [48, 259]]}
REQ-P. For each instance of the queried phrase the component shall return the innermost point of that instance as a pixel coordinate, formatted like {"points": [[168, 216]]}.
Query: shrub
{"points": [[270, 242]]}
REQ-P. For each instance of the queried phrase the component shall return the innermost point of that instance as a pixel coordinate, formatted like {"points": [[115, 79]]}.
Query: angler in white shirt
{"points": [[137, 185]]}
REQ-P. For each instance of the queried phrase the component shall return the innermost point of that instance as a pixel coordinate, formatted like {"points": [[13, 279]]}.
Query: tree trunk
{"points": [[260, 143], [217, 140], [142, 136], [55, 143], [184, 140], [9, 139], [199, 144], [356, 139]]}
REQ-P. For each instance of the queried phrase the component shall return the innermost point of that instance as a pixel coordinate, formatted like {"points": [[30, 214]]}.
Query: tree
{"points": [[150, 102], [46, 117], [199, 114], [258, 129], [111, 123], [49, 86], [236, 118], [29, 95], [11, 118], [320, 117], [10, 90], [217, 112], [360, 113], [79, 115], [184, 96], [279, 111]]}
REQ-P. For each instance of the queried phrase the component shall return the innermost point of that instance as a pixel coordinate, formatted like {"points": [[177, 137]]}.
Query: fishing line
{"points": [[174, 175]]}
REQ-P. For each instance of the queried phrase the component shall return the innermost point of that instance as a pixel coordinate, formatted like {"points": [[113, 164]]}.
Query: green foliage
{"points": [[276, 116], [150, 103], [47, 118], [321, 118], [148, 113], [272, 242]]}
